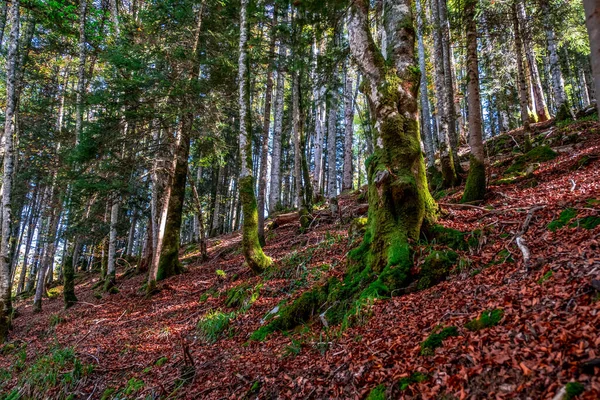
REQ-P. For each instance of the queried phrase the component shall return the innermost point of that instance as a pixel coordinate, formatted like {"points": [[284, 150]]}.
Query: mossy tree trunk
{"points": [[69, 275], [592, 21], [399, 199], [475, 187], [255, 258]]}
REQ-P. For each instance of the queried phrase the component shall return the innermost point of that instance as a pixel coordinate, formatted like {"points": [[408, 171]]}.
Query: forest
{"points": [[307, 199]]}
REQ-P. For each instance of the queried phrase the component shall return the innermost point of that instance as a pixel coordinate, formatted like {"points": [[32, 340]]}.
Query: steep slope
{"points": [[193, 339]]}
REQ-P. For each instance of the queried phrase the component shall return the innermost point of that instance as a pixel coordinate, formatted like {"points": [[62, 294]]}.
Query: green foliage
{"points": [[212, 325], [242, 296], [574, 389], [544, 278], [161, 361], [293, 349], [59, 369], [454, 239], [221, 274], [588, 223], [378, 393], [487, 319], [436, 339], [56, 319], [564, 218], [133, 385]]}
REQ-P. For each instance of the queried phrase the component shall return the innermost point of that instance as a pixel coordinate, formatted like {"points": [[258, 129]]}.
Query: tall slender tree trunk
{"points": [[3, 17], [448, 81], [7, 181], [80, 71], [449, 174], [111, 268], [399, 199], [348, 174], [541, 108], [256, 260], [215, 229], [114, 15], [264, 151], [563, 110], [296, 132], [425, 112], [31, 225], [585, 94], [199, 217], [275, 189], [475, 186], [522, 81], [332, 108]]}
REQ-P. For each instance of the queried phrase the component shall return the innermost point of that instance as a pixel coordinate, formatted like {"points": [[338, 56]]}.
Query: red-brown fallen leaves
{"points": [[551, 322]]}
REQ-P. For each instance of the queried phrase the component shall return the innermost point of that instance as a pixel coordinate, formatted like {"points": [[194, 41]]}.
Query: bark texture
{"points": [[476, 185], [7, 179], [399, 199], [348, 173]]}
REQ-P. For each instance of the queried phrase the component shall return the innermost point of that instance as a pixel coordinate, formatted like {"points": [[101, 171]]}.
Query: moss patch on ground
{"points": [[437, 338], [536, 155], [563, 219], [487, 319]]}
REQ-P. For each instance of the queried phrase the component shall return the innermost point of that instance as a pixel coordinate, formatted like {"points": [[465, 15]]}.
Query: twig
{"points": [[573, 185], [463, 206]]}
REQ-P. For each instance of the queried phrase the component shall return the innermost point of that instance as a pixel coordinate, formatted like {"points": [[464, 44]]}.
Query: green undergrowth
{"points": [[537, 155], [349, 301], [212, 325], [58, 372], [487, 319], [436, 338], [378, 393], [243, 296]]}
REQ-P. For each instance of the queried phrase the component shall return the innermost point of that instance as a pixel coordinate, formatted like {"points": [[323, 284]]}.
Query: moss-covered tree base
{"points": [[69, 286], [475, 186], [563, 113], [5, 322], [255, 258], [449, 175]]}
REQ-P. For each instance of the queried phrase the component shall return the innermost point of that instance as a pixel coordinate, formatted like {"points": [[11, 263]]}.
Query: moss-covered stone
{"points": [[452, 238], [436, 268], [487, 319], [476, 185], [538, 154]]}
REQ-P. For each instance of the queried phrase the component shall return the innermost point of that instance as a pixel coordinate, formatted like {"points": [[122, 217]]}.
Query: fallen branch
{"points": [[521, 244]]}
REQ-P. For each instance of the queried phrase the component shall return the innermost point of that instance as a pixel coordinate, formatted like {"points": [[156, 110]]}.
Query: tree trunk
{"points": [[399, 199], [111, 268], [449, 175], [9, 124], [332, 108], [348, 173], [3, 16], [585, 94], [69, 271], [131, 236], [200, 218], [541, 109], [563, 110], [425, 112], [275, 189], [262, 180], [475, 186], [31, 225], [522, 81], [448, 81], [214, 231], [80, 71], [296, 132], [114, 15], [255, 258]]}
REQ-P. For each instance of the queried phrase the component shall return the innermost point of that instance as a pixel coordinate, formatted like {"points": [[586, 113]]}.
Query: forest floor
{"points": [[544, 331]]}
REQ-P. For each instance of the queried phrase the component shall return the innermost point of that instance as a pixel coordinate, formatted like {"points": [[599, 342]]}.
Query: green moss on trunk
{"points": [[475, 186], [255, 258]]}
